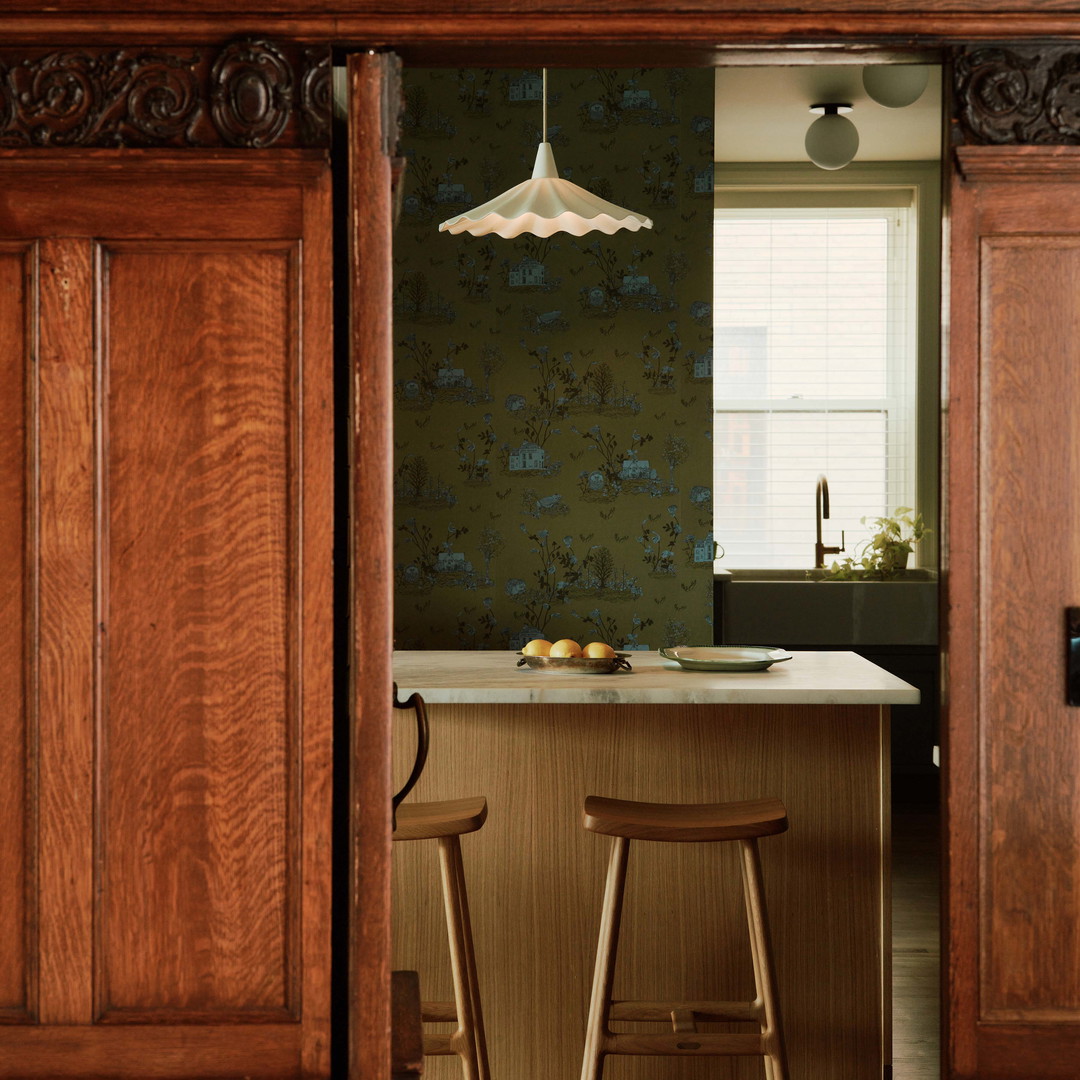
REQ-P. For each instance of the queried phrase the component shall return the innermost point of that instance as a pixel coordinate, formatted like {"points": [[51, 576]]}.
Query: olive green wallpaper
{"points": [[553, 397]]}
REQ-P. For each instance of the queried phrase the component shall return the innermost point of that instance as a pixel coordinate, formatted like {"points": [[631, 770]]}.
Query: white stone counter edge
{"points": [[809, 678]]}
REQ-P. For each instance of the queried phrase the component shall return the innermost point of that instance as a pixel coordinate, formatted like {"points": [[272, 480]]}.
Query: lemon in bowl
{"points": [[598, 650], [565, 647], [537, 647]]}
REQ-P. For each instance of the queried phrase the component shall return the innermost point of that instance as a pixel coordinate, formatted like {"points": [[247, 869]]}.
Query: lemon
{"points": [[537, 647], [598, 650], [565, 647]]}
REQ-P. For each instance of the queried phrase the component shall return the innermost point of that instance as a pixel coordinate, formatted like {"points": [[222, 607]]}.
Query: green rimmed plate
{"points": [[725, 657]]}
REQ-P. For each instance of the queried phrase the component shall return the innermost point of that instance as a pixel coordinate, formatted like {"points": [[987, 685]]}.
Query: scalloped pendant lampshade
{"points": [[545, 204]]}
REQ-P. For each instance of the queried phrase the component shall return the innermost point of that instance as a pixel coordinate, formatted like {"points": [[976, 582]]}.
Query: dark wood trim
{"points": [[654, 36], [1017, 94], [555, 8], [1018, 163], [251, 92], [283, 165], [122, 1051], [34, 181], [960, 647], [726, 47], [407, 1055], [1008, 1050], [371, 680]]}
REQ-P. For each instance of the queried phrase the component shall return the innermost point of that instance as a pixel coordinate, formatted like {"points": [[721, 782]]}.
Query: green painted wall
{"points": [[553, 463]]}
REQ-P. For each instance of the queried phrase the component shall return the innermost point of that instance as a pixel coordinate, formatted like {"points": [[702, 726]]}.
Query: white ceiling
{"points": [[762, 114]]}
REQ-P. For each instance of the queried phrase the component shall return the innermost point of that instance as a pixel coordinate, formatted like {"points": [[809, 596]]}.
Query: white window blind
{"points": [[814, 372]]}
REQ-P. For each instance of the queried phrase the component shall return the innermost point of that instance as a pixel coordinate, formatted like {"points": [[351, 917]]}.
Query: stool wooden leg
{"points": [[596, 1031], [764, 971], [463, 1041], [473, 983]]}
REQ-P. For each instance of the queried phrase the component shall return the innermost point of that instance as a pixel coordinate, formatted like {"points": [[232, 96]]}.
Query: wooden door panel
{"points": [[1012, 976], [65, 662], [17, 268], [1030, 929], [37, 190], [163, 1052], [176, 709], [199, 683]]}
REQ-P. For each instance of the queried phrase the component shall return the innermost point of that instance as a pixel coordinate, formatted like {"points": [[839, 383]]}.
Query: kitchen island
{"points": [[812, 731]]}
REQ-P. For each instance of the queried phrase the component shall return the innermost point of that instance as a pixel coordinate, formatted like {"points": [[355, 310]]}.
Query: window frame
{"points": [[797, 182]]}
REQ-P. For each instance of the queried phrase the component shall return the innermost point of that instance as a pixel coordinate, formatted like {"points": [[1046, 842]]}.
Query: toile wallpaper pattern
{"points": [[553, 401]]}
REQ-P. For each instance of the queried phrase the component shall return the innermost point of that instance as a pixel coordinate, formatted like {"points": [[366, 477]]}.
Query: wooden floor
{"points": [[916, 951]]}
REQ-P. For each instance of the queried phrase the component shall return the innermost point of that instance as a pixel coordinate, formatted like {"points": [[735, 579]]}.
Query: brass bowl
{"points": [[577, 665]]}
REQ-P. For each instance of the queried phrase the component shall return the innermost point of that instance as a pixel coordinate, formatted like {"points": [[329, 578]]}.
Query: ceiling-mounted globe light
{"points": [[832, 140], [895, 85], [545, 204]]}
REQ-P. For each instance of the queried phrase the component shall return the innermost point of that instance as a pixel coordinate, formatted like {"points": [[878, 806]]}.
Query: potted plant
{"points": [[884, 556]]}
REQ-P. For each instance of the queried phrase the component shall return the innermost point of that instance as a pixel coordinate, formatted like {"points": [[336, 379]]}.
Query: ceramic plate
{"points": [[578, 665], [725, 657]]}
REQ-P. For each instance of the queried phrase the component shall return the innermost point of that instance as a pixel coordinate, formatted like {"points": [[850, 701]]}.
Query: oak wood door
{"points": [[165, 637], [1012, 742]]}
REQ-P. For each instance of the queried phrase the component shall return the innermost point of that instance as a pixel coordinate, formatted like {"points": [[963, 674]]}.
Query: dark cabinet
{"points": [[915, 728]]}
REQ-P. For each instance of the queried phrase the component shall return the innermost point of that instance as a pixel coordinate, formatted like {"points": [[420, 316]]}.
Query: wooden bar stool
{"points": [[446, 822], [680, 823]]}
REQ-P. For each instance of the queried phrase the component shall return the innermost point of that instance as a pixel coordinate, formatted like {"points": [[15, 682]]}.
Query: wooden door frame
{"points": [[455, 51], [586, 39], [372, 135], [654, 32]]}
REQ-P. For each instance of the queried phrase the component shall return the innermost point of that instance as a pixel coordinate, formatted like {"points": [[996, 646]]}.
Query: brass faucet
{"points": [[821, 509]]}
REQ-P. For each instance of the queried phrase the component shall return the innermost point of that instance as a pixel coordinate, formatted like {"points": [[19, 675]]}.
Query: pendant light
{"points": [[545, 204], [895, 85], [832, 139]]}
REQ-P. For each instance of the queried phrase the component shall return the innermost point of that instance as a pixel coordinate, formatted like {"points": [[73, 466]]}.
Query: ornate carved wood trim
{"points": [[250, 93], [1017, 95]]}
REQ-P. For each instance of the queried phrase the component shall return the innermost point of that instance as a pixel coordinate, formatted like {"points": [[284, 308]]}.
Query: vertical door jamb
{"points": [[373, 81]]}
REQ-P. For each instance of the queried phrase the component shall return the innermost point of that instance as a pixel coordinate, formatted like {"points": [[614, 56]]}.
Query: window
{"points": [[815, 366]]}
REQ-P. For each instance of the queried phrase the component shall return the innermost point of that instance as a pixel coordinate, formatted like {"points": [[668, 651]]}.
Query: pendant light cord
{"points": [[543, 134]]}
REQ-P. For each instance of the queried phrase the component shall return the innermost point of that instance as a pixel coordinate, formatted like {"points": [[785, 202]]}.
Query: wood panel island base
{"points": [[813, 731]]}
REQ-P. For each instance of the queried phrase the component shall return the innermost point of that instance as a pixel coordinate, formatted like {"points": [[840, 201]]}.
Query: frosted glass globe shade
{"points": [[832, 141], [895, 85]]}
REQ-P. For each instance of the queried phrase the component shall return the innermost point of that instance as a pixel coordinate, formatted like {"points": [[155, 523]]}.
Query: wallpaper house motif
{"points": [[553, 397]]}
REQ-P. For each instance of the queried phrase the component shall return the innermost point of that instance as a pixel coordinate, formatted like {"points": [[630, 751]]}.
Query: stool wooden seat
{"points": [[445, 822], [740, 822], [429, 821], [684, 822]]}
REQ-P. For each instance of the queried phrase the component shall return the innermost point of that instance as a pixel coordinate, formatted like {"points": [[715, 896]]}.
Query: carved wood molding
{"points": [[249, 93], [1018, 95], [1019, 164]]}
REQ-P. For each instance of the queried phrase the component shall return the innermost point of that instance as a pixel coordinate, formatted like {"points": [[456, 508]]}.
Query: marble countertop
{"points": [[810, 678]]}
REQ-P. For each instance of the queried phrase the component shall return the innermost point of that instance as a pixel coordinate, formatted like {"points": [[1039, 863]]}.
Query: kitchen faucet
{"points": [[821, 509]]}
